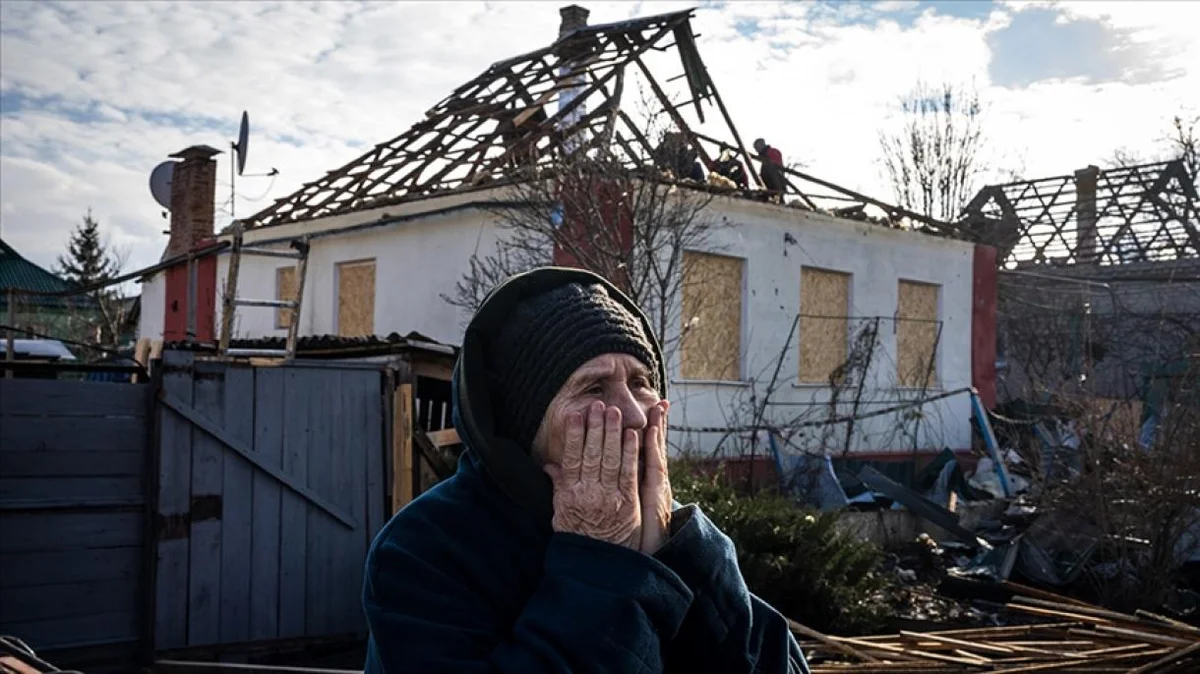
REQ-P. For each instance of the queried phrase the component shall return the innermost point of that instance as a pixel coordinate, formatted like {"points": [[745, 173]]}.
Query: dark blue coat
{"points": [[469, 578]]}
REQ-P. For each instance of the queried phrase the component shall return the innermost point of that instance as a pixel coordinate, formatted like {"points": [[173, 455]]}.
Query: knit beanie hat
{"points": [[544, 340]]}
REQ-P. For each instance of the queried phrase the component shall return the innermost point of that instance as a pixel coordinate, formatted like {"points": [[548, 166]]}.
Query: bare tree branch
{"points": [[934, 159], [631, 226]]}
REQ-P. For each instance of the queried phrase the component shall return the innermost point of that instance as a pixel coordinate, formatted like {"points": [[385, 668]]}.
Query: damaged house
{"points": [[1099, 288], [794, 311]]}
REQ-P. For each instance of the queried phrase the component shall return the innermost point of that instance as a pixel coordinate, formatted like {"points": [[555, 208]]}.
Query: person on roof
{"points": [[675, 154], [728, 166], [556, 546], [772, 165]]}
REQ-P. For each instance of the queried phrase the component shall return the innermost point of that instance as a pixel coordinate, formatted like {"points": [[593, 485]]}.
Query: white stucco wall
{"points": [[416, 261], [152, 320], [877, 258], [420, 259]]}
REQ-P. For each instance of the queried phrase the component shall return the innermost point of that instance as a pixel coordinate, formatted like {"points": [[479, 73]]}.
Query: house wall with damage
{"points": [[386, 271], [865, 286], [1099, 331], [373, 272]]}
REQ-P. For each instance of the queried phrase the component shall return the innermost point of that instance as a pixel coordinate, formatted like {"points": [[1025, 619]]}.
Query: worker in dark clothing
{"points": [[557, 547], [676, 154], [727, 165], [771, 169]]}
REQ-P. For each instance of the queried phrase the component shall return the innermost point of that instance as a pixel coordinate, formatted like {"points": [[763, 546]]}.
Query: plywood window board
{"points": [[917, 320], [824, 323], [285, 291], [711, 342], [356, 298]]}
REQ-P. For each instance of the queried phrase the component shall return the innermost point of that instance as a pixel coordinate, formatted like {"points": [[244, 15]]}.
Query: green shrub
{"points": [[794, 559]]}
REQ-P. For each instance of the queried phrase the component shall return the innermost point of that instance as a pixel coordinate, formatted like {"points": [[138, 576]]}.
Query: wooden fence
{"points": [[73, 468], [221, 504]]}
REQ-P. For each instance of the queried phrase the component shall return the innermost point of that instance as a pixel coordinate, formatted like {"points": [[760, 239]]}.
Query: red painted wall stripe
{"points": [[175, 310]]}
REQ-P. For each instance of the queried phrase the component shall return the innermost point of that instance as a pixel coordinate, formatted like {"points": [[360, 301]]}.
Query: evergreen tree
{"points": [[87, 260], [98, 316]]}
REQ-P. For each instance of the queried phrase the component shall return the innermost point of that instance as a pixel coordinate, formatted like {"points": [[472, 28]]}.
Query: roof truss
{"points": [[522, 114], [1114, 216]]}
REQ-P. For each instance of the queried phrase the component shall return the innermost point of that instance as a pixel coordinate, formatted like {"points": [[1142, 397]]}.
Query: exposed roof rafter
{"points": [[525, 113], [1113, 216]]}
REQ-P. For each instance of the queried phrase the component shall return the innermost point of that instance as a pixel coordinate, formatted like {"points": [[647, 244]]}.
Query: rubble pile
{"points": [[1071, 637], [1084, 500], [914, 597]]}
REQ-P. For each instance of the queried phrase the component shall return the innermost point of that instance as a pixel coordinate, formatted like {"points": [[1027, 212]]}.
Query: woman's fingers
{"points": [[627, 484], [655, 459], [610, 463], [593, 443], [572, 457]]}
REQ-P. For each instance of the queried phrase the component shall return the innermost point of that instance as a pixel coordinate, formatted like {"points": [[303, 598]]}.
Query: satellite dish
{"points": [[242, 146], [160, 183]]}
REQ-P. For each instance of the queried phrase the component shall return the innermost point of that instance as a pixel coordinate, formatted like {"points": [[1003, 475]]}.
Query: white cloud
{"points": [[107, 90]]}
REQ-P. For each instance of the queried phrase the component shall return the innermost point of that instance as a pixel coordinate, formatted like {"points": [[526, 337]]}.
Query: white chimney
{"points": [[573, 17]]}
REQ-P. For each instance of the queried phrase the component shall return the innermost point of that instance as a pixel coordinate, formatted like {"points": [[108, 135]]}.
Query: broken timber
{"points": [[504, 126], [1082, 639]]}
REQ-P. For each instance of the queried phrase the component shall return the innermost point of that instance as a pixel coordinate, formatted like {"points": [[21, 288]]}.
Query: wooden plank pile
{"points": [[1080, 638]]}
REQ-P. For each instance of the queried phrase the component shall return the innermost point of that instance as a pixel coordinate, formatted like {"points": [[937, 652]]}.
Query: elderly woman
{"points": [[557, 547]]}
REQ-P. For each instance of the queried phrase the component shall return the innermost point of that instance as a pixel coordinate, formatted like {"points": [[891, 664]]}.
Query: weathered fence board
{"points": [[269, 399], [204, 561], [55, 398], [66, 489], [66, 464], [174, 506], [277, 519], [72, 518], [52, 434], [236, 525], [67, 600], [27, 569], [97, 628], [293, 523]]}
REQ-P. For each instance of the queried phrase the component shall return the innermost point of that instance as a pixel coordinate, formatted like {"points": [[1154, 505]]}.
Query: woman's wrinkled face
{"points": [[615, 379]]}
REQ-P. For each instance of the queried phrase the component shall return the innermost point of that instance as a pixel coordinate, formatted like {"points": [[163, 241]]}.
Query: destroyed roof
{"points": [[519, 115], [1112, 216]]}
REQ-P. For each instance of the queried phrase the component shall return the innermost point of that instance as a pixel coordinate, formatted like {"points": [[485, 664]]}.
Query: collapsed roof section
{"points": [[525, 113], [1114, 216]]}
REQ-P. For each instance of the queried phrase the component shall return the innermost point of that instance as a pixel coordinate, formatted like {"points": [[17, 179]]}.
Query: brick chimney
{"points": [[574, 17], [1085, 215], [191, 285], [193, 193]]}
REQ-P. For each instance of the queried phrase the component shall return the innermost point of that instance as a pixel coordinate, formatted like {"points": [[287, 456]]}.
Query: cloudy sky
{"points": [[94, 94]]}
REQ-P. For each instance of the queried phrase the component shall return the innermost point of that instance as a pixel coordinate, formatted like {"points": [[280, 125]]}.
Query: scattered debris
{"points": [[920, 505], [1081, 638]]}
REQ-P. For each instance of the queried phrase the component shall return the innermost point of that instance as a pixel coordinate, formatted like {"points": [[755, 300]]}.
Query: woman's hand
{"points": [[655, 488], [596, 486]]}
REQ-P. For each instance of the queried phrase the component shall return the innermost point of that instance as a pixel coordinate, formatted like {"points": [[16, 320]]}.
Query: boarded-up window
{"points": [[711, 344], [824, 307], [917, 334], [285, 291], [356, 298]]}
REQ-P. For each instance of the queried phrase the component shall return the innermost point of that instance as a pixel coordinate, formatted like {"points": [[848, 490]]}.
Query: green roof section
{"points": [[20, 274]]}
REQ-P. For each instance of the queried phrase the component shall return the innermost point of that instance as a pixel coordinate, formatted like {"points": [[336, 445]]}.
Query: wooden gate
{"points": [[271, 485]]}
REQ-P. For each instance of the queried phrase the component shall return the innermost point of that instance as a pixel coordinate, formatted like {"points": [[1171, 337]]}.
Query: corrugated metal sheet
{"points": [[335, 346]]}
